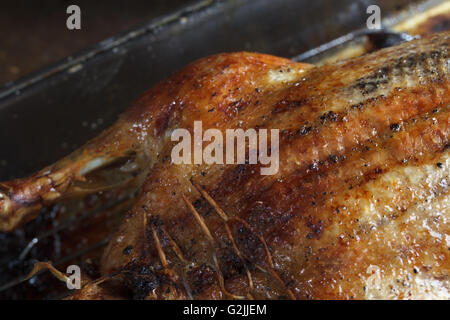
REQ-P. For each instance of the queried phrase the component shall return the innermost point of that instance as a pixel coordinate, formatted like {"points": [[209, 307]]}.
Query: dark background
{"points": [[33, 34]]}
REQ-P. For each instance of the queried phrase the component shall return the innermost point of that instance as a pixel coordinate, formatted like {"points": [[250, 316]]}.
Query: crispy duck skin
{"points": [[359, 208]]}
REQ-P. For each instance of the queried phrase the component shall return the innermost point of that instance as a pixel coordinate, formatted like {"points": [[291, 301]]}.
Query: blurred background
{"points": [[33, 33]]}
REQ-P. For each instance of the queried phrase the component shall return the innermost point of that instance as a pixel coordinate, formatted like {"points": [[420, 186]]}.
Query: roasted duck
{"points": [[359, 208]]}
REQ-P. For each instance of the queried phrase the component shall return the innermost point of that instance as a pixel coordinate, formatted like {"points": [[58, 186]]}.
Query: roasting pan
{"points": [[46, 115]]}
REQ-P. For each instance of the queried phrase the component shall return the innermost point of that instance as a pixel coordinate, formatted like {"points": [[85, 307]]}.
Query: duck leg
{"points": [[86, 170]]}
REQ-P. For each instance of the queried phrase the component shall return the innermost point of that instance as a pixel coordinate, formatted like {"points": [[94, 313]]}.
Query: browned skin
{"points": [[359, 208]]}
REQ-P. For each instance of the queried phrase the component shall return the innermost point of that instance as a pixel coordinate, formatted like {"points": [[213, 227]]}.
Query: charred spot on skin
{"points": [[439, 165], [334, 158], [289, 134], [316, 229], [197, 204], [329, 116], [197, 85], [141, 281], [201, 277], [395, 127], [313, 167], [155, 221], [248, 243], [357, 106], [236, 106], [128, 250], [435, 54], [368, 87], [233, 265], [304, 130], [285, 105]]}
